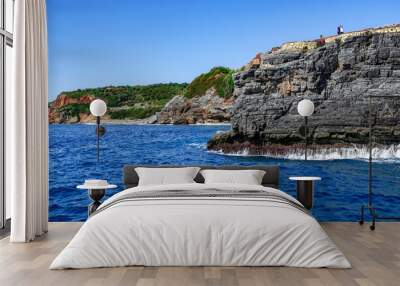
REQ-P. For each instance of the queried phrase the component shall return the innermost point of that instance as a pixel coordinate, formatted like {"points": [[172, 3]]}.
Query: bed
{"points": [[198, 224]]}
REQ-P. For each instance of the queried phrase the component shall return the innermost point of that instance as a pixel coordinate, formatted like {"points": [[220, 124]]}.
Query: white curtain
{"points": [[26, 123]]}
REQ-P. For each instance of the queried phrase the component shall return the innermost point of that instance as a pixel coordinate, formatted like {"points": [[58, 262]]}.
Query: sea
{"points": [[338, 196]]}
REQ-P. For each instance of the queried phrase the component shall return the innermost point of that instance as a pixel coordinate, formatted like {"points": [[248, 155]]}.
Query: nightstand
{"points": [[96, 191], [305, 190]]}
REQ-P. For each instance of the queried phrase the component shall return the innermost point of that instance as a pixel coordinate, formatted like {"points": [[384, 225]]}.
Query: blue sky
{"points": [[96, 43]]}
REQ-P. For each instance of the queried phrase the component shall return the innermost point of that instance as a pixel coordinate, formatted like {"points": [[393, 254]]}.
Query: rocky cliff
{"points": [[338, 75], [67, 109], [208, 99], [207, 108]]}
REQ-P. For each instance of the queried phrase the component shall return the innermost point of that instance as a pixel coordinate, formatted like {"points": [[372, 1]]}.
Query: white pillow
{"points": [[247, 177], [166, 176]]}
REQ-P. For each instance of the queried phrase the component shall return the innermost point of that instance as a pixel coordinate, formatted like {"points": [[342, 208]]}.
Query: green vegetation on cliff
{"points": [[124, 102], [134, 113], [116, 96], [74, 109], [219, 77]]}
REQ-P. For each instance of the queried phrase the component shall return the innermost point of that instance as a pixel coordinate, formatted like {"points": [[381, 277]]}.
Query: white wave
{"points": [[220, 131], [245, 152], [390, 153], [198, 145]]}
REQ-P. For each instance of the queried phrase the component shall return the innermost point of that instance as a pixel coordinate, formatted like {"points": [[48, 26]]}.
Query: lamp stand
{"points": [[370, 206], [98, 137], [305, 135]]}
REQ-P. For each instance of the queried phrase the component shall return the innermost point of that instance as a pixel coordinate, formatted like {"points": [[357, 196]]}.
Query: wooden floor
{"points": [[375, 257]]}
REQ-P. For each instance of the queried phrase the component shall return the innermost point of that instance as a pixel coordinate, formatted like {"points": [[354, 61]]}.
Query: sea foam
{"points": [[385, 153]]}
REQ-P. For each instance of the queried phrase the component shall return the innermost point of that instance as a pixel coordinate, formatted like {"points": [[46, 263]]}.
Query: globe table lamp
{"points": [[305, 108], [98, 108]]}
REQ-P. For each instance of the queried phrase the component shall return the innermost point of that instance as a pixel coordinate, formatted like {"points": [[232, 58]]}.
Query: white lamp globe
{"points": [[98, 107], [305, 107]]}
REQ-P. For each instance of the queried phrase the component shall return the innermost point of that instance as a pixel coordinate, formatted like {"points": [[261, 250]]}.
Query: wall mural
{"points": [[248, 116]]}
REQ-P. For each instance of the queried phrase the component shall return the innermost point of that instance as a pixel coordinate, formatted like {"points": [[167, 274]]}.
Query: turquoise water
{"points": [[73, 159]]}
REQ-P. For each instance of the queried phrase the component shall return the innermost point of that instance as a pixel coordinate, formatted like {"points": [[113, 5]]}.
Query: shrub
{"points": [[134, 113], [74, 109], [219, 77]]}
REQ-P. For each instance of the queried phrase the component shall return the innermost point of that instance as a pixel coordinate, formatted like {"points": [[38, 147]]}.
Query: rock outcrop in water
{"points": [[338, 74]]}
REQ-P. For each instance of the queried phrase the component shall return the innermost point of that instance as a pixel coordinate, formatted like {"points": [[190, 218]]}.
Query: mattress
{"points": [[201, 225]]}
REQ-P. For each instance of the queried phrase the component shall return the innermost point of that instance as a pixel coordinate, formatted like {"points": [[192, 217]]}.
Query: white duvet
{"points": [[200, 231]]}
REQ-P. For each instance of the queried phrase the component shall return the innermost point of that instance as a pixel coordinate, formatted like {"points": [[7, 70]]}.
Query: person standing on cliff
{"points": [[321, 41], [340, 30]]}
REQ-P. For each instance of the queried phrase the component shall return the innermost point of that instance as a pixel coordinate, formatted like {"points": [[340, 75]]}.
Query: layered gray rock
{"points": [[208, 108], [338, 77]]}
